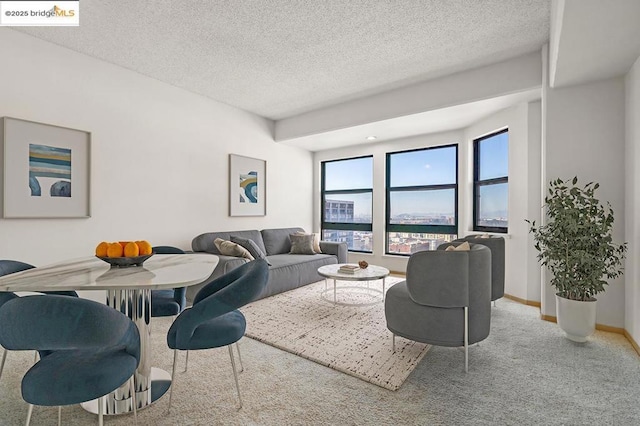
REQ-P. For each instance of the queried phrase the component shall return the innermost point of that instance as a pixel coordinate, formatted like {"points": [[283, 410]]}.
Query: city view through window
{"points": [[491, 182]]}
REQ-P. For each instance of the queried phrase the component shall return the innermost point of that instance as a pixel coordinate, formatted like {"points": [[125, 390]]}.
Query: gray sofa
{"points": [[286, 271]]}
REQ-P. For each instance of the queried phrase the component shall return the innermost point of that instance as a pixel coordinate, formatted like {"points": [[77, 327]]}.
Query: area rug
{"points": [[351, 339]]}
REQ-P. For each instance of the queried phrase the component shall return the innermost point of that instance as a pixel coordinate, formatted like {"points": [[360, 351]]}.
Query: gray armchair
{"points": [[445, 300], [496, 245]]}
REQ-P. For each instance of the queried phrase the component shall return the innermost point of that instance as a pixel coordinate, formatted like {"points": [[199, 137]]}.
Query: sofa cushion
{"points": [[232, 249], [302, 244], [276, 241], [204, 242], [316, 241], [250, 246], [289, 271]]}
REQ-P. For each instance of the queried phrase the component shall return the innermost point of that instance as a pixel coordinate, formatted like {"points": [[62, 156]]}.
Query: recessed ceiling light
{"points": [[371, 138]]}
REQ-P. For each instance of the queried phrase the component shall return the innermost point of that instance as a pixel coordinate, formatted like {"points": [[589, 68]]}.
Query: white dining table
{"points": [[129, 291]]}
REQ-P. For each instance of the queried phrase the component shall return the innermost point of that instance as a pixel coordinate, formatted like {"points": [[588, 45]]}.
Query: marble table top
{"points": [[161, 271], [371, 272]]}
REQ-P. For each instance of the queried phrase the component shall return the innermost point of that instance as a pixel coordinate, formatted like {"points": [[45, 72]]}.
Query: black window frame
{"points": [[342, 226], [477, 183], [416, 228]]}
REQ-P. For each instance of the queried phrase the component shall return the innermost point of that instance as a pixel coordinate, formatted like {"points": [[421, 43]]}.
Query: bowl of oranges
{"points": [[124, 253]]}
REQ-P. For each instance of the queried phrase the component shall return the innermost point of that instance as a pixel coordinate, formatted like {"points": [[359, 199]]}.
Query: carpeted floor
{"points": [[352, 339], [524, 373]]}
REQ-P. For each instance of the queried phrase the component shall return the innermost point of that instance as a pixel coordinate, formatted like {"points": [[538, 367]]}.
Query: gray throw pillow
{"points": [[301, 244], [251, 247]]}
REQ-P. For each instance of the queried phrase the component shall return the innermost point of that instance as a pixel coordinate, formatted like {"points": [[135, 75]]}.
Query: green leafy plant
{"points": [[576, 244]]}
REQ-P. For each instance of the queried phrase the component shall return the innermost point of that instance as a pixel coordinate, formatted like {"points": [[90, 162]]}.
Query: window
{"points": [[347, 202], [491, 182], [422, 199]]}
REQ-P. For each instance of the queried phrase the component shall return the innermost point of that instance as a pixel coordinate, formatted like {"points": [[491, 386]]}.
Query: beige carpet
{"points": [[350, 339]]}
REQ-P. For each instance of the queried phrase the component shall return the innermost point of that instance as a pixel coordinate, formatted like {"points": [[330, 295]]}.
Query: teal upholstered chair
{"points": [[168, 303], [87, 349], [445, 300], [214, 319], [10, 267]]}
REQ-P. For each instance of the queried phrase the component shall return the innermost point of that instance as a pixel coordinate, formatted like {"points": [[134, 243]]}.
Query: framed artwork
{"points": [[45, 170], [247, 186]]}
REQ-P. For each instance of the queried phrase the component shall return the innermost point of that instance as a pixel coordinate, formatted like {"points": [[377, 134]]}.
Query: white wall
{"points": [[585, 136], [159, 155], [522, 274], [632, 200]]}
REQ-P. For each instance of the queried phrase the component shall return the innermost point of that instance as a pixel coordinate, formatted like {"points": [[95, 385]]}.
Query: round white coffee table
{"points": [[370, 273]]}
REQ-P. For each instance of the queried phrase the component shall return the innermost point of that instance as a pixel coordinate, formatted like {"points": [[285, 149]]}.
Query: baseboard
{"points": [[398, 273], [601, 327], [633, 342], [523, 301]]}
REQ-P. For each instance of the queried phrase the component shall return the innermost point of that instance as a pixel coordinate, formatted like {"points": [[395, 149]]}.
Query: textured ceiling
{"points": [[281, 58]]}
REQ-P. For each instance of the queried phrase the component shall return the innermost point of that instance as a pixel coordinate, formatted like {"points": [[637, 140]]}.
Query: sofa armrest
{"points": [[339, 250]]}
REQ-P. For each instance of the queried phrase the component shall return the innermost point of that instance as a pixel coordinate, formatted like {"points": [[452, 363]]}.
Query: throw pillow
{"points": [[229, 248], [461, 247], [316, 240], [301, 244], [251, 247]]}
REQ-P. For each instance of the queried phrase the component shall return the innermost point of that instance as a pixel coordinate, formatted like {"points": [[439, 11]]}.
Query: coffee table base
{"points": [[331, 295]]}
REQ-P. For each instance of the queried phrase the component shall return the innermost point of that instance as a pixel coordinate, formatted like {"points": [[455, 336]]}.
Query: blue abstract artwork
{"points": [[51, 166]]}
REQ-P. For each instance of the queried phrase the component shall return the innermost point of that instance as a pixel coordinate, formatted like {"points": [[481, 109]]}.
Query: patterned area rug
{"points": [[350, 339]]}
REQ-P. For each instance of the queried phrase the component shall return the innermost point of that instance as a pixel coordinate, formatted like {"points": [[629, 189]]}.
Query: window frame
{"points": [[477, 183], [342, 226], [415, 228]]}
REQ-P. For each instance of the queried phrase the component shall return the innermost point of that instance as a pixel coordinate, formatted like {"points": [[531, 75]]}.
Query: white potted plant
{"points": [[576, 246]]}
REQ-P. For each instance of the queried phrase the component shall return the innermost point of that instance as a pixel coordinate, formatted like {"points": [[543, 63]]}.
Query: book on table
{"points": [[348, 269]]}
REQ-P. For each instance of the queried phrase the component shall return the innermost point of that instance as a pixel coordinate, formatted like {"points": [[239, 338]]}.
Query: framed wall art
{"points": [[247, 186], [45, 170]]}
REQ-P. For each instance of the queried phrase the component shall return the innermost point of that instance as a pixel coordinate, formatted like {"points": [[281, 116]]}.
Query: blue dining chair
{"points": [[168, 303], [87, 349], [214, 319], [10, 267]]}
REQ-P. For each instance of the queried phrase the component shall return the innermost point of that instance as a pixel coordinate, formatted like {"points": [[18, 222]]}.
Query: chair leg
{"points": [[35, 357], [466, 339], [134, 401], [186, 362], [100, 411], [4, 358], [29, 412], [239, 358], [59, 415], [393, 343], [494, 303], [235, 376], [173, 377]]}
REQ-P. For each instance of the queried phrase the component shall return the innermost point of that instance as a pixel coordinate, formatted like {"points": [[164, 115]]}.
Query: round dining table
{"points": [[129, 291]]}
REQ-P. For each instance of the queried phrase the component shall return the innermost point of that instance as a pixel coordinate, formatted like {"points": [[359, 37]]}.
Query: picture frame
{"points": [[46, 170], [247, 186]]}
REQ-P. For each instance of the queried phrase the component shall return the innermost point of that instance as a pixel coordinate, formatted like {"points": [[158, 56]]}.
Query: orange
{"points": [[114, 250], [145, 247], [101, 249], [131, 250], [123, 243]]}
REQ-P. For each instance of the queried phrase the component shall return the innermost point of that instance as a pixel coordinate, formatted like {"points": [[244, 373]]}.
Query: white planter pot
{"points": [[576, 318]]}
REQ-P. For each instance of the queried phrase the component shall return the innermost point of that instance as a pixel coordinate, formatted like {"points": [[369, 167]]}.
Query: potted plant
{"points": [[576, 246]]}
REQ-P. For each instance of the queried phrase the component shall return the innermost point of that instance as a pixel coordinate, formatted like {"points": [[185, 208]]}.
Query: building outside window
{"points": [[491, 182], [347, 202], [422, 199]]}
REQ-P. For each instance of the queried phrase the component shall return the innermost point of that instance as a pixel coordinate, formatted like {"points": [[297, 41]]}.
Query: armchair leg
{"points": [[173, 376], [239, 358], [186, 362], [494, 303], [4, 358], [235, 376], [466, 339], [29, 412], [393, 342], [59, 415]]}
